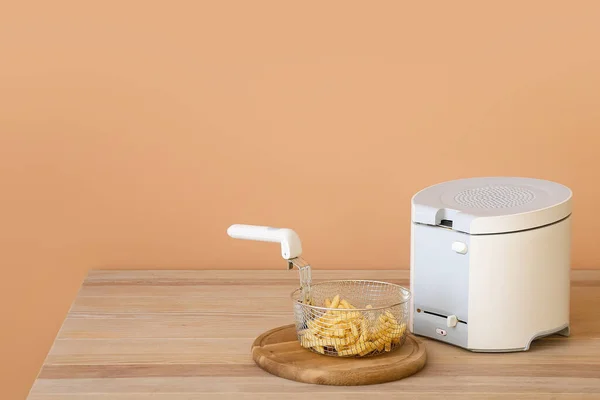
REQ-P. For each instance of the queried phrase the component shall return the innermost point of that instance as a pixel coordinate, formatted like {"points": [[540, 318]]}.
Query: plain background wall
{"points": [[133, 133]]}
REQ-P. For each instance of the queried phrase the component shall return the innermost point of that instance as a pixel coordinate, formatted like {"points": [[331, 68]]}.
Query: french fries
{"points": [[347, 332]]}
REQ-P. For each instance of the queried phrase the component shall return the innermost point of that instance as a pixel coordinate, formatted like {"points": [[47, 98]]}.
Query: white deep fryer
{"points": [[490, 262]]}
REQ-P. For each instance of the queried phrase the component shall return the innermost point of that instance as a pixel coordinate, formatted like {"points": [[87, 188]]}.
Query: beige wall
{"points": [[133, 133]]}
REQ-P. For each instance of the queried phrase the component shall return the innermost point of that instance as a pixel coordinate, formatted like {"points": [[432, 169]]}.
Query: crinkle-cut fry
{"points": [[369, 306], [376, 333], [398, 328], [382, 318], [354, 330], [355, 349], [362, 345], [392, 322], [362, 339], [381, 340], [369, 347], [398, 331], [346, 316], [342, 347], [344, 303], [392, 334], [319, 349], [342, 325], [381, 334], [327, 342], [328, 303], [350, 351], [391, 317], [390, 326], [337, 341], [383, 326], [338, 332], [352, 336], [325, 320], [394, 329], [350, 340], [329, 323], [360, 342], [325, 315], [336, 301], [388, 346], [384, 322], [364, 328]]}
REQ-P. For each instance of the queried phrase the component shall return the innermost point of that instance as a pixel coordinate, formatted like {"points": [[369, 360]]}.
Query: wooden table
{"points": [[186, 335]]}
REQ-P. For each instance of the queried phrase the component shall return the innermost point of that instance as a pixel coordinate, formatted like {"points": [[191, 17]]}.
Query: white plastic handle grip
{"points": [[291, 247]]}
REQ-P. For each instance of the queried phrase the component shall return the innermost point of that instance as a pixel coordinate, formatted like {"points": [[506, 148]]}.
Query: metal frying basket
{"points": [[346, 318], [366, 318]]}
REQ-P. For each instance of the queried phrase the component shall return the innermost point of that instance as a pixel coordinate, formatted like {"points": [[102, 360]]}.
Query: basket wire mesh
{"points": [[352, 318]]}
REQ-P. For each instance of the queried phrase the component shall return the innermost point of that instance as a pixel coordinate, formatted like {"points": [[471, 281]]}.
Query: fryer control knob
{"points": [[459, 247], [451, 321]]}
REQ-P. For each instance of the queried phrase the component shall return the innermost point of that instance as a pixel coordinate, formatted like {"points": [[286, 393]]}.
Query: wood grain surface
{"points": [[278, 352], [188, 334]]}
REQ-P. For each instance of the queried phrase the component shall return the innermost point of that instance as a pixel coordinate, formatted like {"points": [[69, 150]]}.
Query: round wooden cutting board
{"points": [[278, 352]]}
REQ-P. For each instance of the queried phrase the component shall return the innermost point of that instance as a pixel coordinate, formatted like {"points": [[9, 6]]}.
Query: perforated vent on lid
{"points": [[494, 197], [492, 205]]}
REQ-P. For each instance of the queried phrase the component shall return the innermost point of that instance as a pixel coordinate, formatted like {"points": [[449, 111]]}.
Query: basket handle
{"points": [[291, 247]]}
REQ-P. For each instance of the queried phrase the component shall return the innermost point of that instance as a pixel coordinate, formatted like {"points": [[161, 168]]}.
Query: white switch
{"points": [[451, 321], [459, 247]]}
